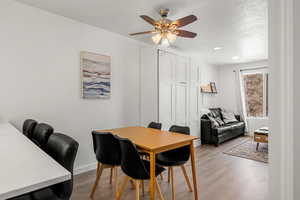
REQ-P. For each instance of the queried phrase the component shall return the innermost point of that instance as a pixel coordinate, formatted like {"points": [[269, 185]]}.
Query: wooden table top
{"points": [[152, 139]]}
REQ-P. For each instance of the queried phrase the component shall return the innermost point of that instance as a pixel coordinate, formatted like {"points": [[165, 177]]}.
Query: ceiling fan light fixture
{"points": [[165, 42], [157, 38], [171, 37]]}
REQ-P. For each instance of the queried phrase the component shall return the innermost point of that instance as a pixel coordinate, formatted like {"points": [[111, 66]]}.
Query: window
{"points": [[255, 85]]}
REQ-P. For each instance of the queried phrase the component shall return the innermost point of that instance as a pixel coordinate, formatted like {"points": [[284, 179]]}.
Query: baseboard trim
{"points": [[85, 168]]}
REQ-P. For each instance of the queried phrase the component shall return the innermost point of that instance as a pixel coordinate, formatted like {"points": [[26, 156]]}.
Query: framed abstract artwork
{"points": [[96, 75]]}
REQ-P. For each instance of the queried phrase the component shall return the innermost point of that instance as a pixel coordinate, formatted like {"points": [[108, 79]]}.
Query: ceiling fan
{"points": [[166, 30]]}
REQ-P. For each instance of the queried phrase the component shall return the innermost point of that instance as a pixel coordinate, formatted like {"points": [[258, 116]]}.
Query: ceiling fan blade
{"points": [[140, 33], [185, 20], [187, 34], [148, 19]]}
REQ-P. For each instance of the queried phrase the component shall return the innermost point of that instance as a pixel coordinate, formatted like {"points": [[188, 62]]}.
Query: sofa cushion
{"points": [[220, 121], [222, 129], [228, 117], [237, 125]]}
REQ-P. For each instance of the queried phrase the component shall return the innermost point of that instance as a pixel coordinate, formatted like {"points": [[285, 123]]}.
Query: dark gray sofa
{"points": [[220, 134]]}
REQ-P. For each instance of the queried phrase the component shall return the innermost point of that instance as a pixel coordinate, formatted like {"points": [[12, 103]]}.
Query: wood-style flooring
{"points": [[220, 177]]}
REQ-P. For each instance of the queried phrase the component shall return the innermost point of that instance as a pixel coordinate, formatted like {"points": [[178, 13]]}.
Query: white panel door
{"points": [[181, 104], [181, 90], [173, 90]]}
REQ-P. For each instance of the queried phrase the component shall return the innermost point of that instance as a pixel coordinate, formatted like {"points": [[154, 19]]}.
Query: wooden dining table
{"points": [[155, 141]]}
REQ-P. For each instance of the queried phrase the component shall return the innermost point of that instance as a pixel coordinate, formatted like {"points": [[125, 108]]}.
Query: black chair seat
{"points": [[45, 194], [24, 197], [166, 160], [131, 163], [146, 176]]}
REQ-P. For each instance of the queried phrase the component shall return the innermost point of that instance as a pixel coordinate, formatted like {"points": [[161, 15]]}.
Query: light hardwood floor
{"points": [[220, 177]]}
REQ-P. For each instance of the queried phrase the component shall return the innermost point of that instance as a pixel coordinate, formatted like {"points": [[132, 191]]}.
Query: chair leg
{"points": [[161, 176], [119, 193], [97, 180], [132, 184], [98, 167], [137, 189], [160, 195], [116, 180], [143, 188], [111, 175], [169, 174], [172, 182], [186, 178]]}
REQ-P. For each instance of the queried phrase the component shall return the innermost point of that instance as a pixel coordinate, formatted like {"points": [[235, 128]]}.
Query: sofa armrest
{"points": [[238, 117], [205, 130]]}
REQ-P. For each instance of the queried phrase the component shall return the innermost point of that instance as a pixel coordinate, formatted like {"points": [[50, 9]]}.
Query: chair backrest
{"points": [[63, 149], [28, 127], [41, 134], [131, 162], [183, 153], [180, 129], [106, 148], [155, 125]]}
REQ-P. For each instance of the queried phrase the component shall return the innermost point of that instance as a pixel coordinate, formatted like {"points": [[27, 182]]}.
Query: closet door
{"points": [[173, 90], [181, 90]]}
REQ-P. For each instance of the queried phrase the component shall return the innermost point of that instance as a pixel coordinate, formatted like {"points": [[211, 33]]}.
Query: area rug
{"points": [[247, 149]]}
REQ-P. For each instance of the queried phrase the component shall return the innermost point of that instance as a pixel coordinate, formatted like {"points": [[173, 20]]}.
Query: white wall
{"points": [[148, 85], [209, 73], [296, 99], [228, 96], [40, 75]]}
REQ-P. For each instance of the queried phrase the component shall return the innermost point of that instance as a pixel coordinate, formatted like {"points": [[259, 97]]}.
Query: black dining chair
{"points": [[108, 155], [28, 127], [176, 157], [63, 149], [155, 125], [41, 134], [135, 168]]}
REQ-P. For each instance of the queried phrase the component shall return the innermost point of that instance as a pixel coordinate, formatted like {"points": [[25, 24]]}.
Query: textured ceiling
{"points": [[238, 26]]}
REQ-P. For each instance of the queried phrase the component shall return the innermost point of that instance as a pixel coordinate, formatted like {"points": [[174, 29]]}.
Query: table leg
{"points": [[193, 161], [152, 175]]}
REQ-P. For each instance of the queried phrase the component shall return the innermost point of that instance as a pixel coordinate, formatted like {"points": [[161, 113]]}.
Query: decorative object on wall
{"points": [[209, 88], [206, 88], [96, 75], [213, 87]]}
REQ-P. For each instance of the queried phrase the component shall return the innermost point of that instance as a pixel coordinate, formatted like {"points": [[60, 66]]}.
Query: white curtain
{"points": [[240, 96]]}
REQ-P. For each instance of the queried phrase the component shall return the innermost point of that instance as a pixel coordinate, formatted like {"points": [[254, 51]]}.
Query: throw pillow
{"points": [[213, 121], [228, 117], [220, 121]]}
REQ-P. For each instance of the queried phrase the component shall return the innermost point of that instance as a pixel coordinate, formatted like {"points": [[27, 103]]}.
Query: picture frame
{"points": [[213, 87], [95, 75]]}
